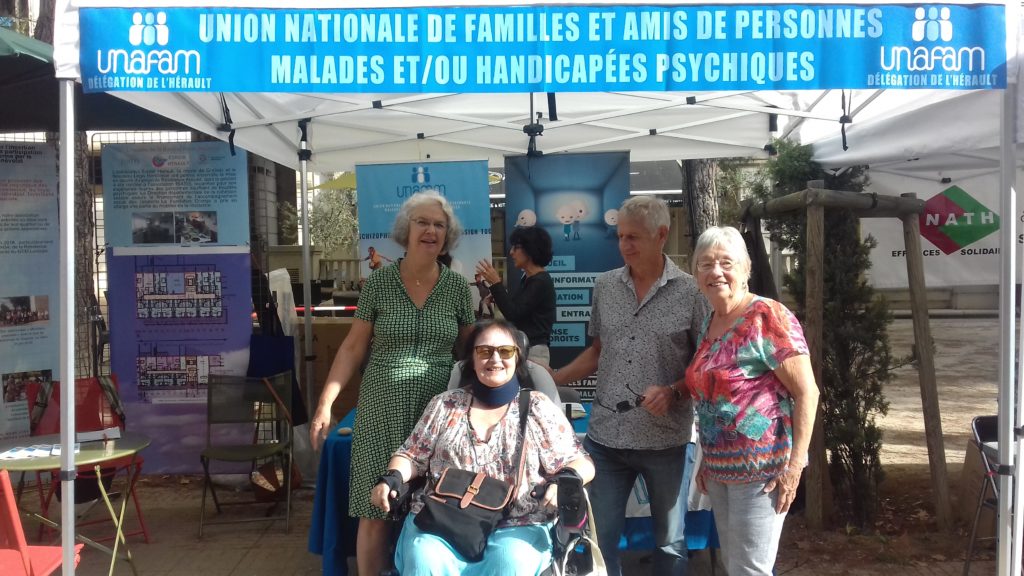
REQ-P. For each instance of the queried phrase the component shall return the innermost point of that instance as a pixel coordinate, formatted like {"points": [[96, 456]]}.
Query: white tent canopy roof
{"points": [[349, 129]]}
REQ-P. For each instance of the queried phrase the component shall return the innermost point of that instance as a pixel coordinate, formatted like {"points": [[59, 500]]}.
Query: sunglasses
{"points": [[504, 352], [624, 405]]}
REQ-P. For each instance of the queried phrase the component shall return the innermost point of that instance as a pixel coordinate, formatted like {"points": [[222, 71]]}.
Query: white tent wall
{"points": [[346, 129], [974, 264]]}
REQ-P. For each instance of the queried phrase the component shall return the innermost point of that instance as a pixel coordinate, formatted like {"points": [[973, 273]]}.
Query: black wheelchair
{"points": [[574, 536]]}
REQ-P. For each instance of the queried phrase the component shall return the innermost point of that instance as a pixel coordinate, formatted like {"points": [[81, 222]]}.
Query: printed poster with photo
{"points": [[575, 198], [179, 277], [29, 290], [175, 194], [384, 187]]}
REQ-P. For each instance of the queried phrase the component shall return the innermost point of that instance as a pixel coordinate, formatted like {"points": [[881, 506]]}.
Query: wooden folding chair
{"points": [[17, 558]]}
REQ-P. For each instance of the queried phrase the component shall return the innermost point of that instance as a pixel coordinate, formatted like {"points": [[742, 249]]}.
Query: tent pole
{"points": [[307, 265], [1008, 524], [66, 368]]}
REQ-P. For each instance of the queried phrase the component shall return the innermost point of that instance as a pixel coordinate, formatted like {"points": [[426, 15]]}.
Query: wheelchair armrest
{"points": [[400, 506]]}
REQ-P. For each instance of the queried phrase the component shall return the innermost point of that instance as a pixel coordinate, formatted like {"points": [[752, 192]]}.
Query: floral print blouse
{"points": [[744, 413], [443, 438]]}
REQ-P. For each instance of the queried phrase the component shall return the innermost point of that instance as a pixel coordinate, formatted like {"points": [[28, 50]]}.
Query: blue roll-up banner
{"points": [[384, 187], [544, 48], [576, 199]]}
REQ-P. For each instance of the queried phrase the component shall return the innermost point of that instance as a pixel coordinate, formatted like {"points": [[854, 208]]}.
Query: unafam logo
{"points": [[149, 29], [420, 182], [953, 219], [933, 24], [932, 31], [148, 34]]}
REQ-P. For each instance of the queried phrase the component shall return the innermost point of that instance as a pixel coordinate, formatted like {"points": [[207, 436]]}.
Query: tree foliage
{"points": [[856, 358], [332, 219]]}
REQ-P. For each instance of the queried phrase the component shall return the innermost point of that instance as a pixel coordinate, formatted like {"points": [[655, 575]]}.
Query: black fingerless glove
{"points": [[393, 479]]}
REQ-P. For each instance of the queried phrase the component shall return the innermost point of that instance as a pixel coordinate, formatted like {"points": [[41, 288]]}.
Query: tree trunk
{"points": [[85, 302], [44, 21], [701, 196]]}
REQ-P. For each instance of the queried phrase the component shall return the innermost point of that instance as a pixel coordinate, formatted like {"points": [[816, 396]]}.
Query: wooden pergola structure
{"points": [[907, 207]]}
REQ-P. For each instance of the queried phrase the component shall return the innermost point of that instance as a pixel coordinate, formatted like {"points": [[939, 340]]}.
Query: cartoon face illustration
{"points": [[611, 217], [580, 209], [566, 214], [526, 218]]}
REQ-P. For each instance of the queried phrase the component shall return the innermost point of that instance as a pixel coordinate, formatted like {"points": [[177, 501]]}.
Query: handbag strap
{"points": [[520, 457], [278, 401]]}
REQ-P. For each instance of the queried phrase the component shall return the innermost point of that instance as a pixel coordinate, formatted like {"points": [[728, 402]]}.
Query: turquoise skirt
{"points": [[513, 551]]}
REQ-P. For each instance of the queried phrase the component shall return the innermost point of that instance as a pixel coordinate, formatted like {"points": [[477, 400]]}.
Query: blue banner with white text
{"points": [[544, 48]]}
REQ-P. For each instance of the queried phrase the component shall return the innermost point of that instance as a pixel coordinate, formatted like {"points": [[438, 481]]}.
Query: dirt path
{"points": [[966, 372], [905, 539]]}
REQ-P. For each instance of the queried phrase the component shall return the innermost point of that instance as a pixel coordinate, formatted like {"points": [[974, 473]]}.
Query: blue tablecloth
{"points": [[332, 533]]}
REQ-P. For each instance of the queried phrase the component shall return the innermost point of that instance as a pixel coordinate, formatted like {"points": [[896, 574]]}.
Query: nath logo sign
{"points": [[953, 219]]}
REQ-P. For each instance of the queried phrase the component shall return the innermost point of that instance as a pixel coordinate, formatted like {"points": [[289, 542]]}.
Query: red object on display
{"points": [[16, 556], [93, 411]]}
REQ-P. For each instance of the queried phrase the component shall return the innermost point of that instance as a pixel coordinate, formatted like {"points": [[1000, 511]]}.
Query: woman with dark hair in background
{"points": [[531, 307]]}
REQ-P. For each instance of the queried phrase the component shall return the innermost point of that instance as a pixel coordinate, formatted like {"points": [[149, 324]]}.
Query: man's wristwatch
{"points": [[678, 393]]}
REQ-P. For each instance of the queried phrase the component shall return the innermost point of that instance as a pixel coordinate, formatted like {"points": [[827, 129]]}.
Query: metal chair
{"points": [[248, 420], [985, 429], [97, 407], [16, 556]]}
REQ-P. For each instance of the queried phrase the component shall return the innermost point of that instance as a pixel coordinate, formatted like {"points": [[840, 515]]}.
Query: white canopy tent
{"points": [[343, 129]]}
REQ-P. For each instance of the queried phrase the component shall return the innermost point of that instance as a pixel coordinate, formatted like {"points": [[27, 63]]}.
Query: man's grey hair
{"points": [[400, 231], [651, 211], [727, 238]]}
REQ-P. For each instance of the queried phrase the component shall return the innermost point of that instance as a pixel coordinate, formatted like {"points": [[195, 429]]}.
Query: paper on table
{"points": [[56, 450], [112, 433], [19, 452]]}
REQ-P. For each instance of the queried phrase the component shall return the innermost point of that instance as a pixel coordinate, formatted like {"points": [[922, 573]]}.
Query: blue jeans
{"points": [[665, 473], [748, 526]]}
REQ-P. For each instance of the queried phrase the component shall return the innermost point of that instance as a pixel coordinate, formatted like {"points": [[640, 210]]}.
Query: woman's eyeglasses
{"points": [[709, 265], [485, 352], [623, 406], [424, 224]]}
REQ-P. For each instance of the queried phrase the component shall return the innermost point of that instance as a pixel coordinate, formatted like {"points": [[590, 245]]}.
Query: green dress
{"points": [[410, 363]]}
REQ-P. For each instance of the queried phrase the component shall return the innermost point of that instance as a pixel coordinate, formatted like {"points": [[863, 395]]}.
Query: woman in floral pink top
{"points": [[755, 398], [476, 428]]}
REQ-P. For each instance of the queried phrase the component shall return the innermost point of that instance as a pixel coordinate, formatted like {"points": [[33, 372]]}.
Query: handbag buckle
{"points": [[472, 490]]}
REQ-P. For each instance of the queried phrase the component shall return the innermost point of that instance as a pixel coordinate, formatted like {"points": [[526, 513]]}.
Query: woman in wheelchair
{"points": [[476, 428]]}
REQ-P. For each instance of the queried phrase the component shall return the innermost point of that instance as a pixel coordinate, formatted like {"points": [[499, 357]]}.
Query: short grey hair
{"points": [[400, 230], [651, 211], [725, 237]]}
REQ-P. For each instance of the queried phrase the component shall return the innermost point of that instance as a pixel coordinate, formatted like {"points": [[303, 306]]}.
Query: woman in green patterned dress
{"points": [[413, 311]]}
